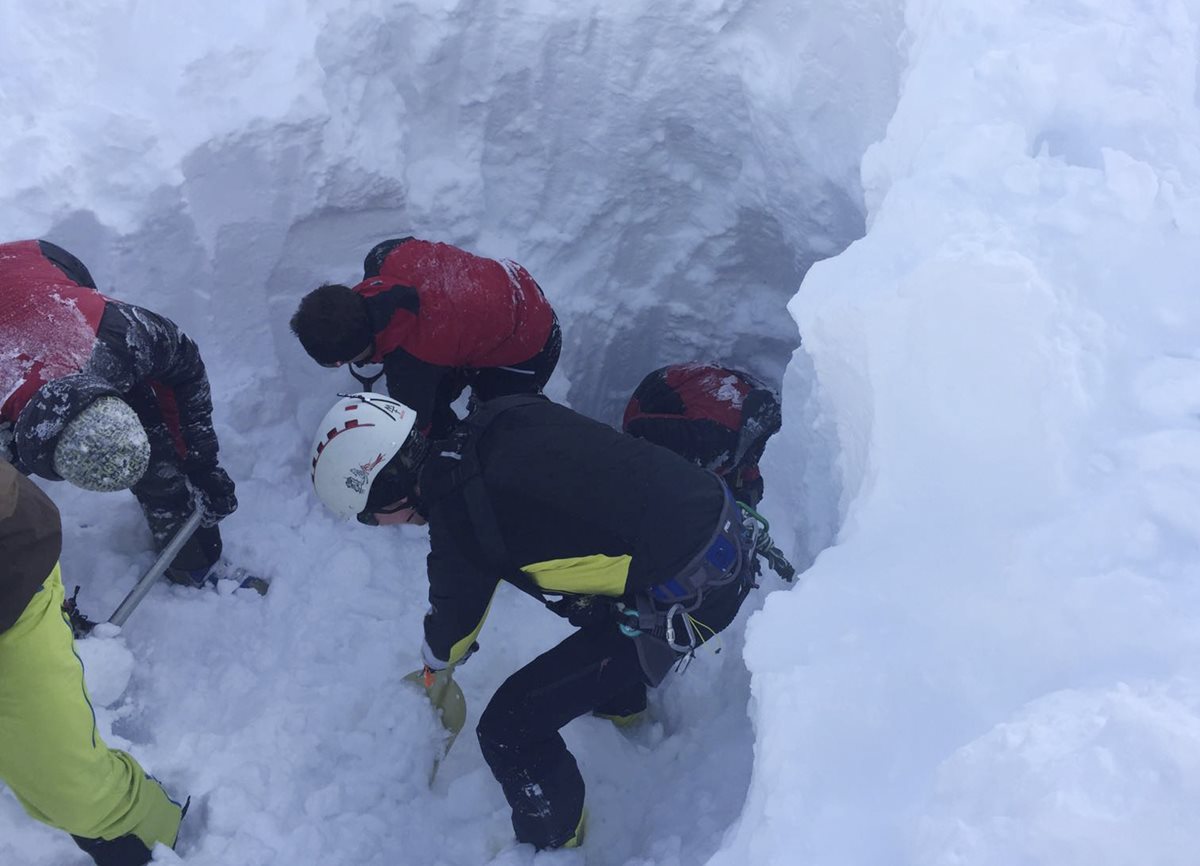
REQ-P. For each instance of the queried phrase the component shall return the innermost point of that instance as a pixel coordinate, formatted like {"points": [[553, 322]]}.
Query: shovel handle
{"points": [[125, 608]]}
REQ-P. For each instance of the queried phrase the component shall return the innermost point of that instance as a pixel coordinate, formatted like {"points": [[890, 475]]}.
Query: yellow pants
{"points": [[51, 755]]}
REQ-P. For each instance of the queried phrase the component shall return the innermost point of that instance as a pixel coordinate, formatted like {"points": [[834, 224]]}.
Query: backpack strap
{"points": [[469, 476]]}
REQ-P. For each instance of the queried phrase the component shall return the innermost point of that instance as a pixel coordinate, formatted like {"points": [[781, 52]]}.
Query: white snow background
{"points": [[991, 453]]}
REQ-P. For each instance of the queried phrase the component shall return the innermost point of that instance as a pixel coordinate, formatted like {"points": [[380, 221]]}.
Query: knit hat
{"points": [[103, 448]]}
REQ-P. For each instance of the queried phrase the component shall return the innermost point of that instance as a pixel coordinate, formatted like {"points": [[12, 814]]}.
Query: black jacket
{"points": [[578, 508]]}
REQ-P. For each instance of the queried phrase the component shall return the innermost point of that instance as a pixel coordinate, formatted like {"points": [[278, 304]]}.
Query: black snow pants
{"points": [[596, 669]]}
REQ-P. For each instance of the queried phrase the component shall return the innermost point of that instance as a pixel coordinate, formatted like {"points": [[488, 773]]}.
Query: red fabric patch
{"points": [[170, 412], [56, 319]]}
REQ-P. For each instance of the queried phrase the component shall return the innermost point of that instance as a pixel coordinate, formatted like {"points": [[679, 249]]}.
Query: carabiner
{"points": [[677, 609]]}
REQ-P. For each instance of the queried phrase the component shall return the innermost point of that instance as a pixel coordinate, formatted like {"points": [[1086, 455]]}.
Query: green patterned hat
{"points": [[103, 448]]}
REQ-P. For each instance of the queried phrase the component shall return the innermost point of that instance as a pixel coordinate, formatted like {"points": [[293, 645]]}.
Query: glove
{"points": [[779, 563], [584, 611], [216, 491], [433, 663]]}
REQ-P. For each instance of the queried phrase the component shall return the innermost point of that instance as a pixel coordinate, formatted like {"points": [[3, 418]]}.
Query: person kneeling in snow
{"points": [[439, 319], [51, 756], [109, 396], [647, 551], [714, 416]]}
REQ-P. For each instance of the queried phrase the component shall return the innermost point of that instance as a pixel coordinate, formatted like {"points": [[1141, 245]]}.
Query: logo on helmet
{"points": [[359, 476], [396, 410]]}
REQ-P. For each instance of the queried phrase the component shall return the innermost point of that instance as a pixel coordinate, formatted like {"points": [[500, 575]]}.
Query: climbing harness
{"points": [[660, 618]]}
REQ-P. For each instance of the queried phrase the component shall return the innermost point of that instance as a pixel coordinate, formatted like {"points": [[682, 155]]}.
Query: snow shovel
{"points": [[447, 698]]}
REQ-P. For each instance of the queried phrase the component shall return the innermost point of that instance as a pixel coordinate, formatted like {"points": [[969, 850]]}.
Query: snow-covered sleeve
{"points": [[460, 596], [137, 345]]}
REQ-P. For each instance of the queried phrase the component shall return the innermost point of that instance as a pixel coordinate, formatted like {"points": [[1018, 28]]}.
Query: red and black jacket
{"points": [[435, 308], [65, 345], [715, 417]]}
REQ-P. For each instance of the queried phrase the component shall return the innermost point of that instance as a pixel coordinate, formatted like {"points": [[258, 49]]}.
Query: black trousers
{"points": [[597, 669], [163, 492], [593, 669], [527, 377], [126, 850], [487, 383]]}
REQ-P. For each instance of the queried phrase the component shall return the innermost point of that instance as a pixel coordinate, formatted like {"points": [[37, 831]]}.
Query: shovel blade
{"points": [[447, 698]]}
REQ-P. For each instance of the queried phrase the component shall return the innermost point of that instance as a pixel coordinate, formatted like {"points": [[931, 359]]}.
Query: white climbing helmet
{"points": [[103, 448], [355, 441]]}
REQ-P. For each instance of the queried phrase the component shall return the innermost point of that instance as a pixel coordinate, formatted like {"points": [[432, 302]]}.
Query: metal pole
{"points": [[160, 565]]}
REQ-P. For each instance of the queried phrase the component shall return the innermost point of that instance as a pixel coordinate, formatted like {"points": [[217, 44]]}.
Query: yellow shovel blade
{"points": [[447, 698]]}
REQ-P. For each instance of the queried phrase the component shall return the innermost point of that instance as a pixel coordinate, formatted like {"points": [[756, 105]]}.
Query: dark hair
{"points": [[332, 324]]}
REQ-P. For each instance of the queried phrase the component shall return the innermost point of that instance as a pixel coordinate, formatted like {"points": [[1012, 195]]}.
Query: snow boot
{"points": [[222, 569]]}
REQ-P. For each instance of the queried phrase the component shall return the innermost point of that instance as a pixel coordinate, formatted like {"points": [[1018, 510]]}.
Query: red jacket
{"points": [[438, 313], [449, 308], [48, 324], [714, 416]]}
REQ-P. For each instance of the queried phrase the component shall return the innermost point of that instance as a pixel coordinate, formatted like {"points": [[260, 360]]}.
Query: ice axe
{"points": [[447, 698]]}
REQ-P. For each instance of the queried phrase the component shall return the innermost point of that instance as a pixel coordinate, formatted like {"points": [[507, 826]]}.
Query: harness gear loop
{"points": [[627, 620]]}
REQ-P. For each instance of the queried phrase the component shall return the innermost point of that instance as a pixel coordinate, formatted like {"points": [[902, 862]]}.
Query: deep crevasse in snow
{"points": [[993, 410]]}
